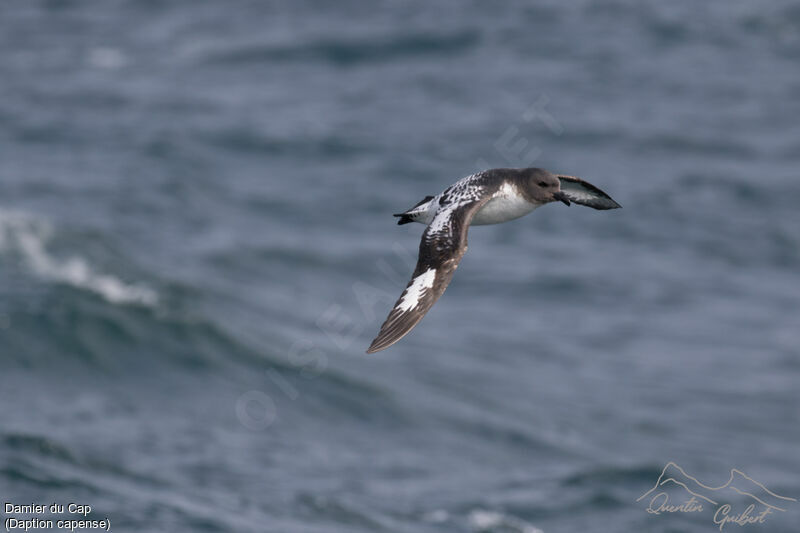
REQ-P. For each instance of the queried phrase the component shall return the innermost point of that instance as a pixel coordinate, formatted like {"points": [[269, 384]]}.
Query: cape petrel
{"points": [[488, 197]]}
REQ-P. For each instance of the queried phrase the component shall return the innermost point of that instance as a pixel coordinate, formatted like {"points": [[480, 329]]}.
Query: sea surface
{"points": [[197, 247]]}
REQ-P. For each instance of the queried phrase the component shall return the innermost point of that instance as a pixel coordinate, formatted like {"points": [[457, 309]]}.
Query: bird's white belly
{"points": [[502, 209]]}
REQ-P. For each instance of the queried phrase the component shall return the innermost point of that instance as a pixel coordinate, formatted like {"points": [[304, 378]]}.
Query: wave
{"points": [[29, 237], [484, 520], [346, 52]]}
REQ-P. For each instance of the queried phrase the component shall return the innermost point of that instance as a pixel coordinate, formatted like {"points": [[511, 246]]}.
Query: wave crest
{"points": [[29, 236]]}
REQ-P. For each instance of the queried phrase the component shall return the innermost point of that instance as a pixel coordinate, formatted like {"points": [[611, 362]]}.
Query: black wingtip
{"points": [[387, 338], [613, 204], [378, 346]]}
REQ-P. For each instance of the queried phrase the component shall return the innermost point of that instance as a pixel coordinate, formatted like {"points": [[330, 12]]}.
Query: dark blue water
{"points": [[196, 248]]}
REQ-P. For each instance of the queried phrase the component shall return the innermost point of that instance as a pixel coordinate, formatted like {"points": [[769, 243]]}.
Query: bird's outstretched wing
{"points": [[443, 244], [584, 193]]}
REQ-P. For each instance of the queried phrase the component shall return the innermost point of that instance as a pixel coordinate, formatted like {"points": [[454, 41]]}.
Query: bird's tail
{"points": [[410, 215]]}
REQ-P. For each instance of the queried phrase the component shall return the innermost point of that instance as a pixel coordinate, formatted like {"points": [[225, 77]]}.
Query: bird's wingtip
{"points": [[381, 342]]}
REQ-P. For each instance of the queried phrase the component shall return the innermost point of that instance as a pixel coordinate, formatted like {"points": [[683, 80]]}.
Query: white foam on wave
{"points": [[483, 520], [29, 236]]}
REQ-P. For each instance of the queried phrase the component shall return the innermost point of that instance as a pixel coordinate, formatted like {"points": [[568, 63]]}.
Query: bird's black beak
{"points": [[560, 196]]}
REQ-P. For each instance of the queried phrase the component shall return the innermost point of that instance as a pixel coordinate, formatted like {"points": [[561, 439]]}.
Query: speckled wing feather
{"points": [[584, 193], [443, 244]]}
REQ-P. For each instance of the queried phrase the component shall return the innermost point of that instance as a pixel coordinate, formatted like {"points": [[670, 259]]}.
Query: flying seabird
{"points": [[488, 197]]}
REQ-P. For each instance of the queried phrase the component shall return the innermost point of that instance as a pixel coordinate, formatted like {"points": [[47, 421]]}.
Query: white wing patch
{"points": [[459, 194], [414, 292], [440, 220]]}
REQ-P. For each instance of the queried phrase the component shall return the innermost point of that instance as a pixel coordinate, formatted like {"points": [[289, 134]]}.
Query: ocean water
{"points": [[196, 248]]}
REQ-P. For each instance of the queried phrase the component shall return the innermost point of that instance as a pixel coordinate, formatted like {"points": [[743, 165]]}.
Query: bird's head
{"points": [[544, 187]]}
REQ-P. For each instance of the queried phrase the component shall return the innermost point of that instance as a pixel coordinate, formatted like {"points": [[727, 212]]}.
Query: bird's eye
{"points": [[542, 184]]}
